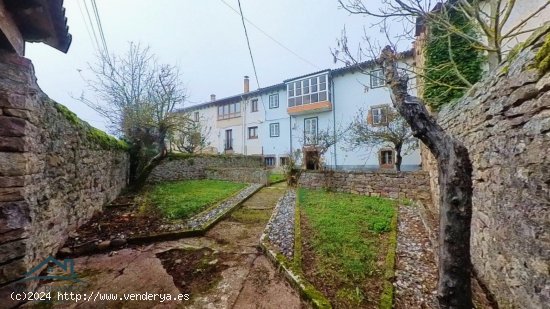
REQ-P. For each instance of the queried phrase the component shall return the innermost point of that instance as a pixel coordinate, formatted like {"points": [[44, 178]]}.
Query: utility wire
{"points": [[91, 25], [248, 43], [271, 37], [100, 27]]}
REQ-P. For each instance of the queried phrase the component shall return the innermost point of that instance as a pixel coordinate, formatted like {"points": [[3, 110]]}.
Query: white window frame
{"points": [[311, 127], [379, 115], [274, 129], [271, 159], [310, 90], [274, 101], [377, 78]]}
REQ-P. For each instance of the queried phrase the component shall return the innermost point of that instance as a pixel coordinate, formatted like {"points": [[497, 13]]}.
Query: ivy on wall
{"points": [[443, 85]]}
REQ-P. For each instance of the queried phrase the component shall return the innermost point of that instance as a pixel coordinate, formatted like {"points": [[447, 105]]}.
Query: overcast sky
{"points": [[205, 38]]}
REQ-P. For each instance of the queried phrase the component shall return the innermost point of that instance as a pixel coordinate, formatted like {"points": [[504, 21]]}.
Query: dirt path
{"points": [[224, 269]]}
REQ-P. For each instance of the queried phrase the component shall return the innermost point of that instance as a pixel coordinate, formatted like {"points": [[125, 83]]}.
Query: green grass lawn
{"points": [[345, 243], [183, 199], [274, 177]]}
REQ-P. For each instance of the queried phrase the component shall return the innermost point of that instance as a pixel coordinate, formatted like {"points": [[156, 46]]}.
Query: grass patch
{"points": [[347, 240], [276, 177], [183, 199]]}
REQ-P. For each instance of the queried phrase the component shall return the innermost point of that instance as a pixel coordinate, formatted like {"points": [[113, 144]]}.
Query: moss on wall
{"points": [[94, 135]]}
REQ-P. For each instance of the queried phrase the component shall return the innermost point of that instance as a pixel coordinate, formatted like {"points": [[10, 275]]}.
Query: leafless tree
{"points": [[139, 98], [192, 137], [393, 130], [491, 18]]}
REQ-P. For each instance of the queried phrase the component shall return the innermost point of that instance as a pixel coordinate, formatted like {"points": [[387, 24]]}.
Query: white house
{"points": [[276, 121]]}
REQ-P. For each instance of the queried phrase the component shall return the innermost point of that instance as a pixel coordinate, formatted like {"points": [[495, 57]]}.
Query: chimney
{"points": [[212, 97], [246, 84]]}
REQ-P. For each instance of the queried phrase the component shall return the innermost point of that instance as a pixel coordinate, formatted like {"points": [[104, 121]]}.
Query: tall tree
{"points": [[391, 129], [139, 98], [455, 185]]}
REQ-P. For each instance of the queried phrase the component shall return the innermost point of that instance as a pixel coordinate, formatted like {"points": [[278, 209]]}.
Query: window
{"points": [[274, 101], [284, 161], [308, 91], [270, 161], [378, 115], [228, 111], [273, 129], [228, 143], [310, 131], [254, 106], [386, 158], [252, 132], [196, 116], [377, 78]]}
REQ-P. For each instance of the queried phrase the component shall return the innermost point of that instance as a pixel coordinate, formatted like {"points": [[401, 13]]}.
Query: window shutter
{"points": [[369, 117]]}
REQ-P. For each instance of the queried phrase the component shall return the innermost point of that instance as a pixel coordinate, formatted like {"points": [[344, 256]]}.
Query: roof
{"points": [[339, 71], [41, 21]]}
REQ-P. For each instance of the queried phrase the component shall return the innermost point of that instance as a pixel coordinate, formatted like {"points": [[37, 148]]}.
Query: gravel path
{"points": [[280, 229], [416, 270], [203, 218]]}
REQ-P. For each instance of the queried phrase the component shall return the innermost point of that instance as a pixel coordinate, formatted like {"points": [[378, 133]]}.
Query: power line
{"points": [[248, 43], [100, 27], [270, 37], [91, 24]]}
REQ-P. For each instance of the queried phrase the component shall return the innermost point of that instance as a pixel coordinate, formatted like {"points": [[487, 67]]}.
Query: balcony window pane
{"points": [[306, 99], [238, 108], [322, 86], [298, 101], [313, 81], [290, 102], [322, 79], [322, 96], [314, 97], [314, 88], [298, 91]]}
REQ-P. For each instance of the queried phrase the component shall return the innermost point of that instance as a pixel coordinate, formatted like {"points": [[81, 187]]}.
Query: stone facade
{"points": [[505, 124], [224, 167], [411, 185], [53, 176]]}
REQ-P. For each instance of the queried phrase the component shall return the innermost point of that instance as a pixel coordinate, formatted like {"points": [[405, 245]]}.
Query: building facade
{"points": [[286, 118]]}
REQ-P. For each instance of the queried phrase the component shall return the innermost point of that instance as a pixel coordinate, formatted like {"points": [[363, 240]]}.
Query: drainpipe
{"points": [[290, 127], [334, 120]]}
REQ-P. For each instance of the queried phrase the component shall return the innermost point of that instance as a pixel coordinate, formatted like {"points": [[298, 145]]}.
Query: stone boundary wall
{"points": [[505, 124], [411, 185], [54, 173], [233, 168]]}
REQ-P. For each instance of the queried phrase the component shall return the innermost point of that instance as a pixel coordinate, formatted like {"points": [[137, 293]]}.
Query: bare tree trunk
{"points": [[455, 170], [398, 158]]}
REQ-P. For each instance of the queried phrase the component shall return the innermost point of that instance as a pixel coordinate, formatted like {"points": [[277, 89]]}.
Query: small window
{"points": [[377, 78], [252, 132], [284, 161], [196, 116], [254, 106], [270, 161], [274, 129], [386, 158], [378, 115], [274, 101]]}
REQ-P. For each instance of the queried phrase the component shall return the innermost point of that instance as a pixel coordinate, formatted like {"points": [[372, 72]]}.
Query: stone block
{"points": [[12, 126], [12, 250], [13, 164], [12, 181], [12, 144], [12, 271], [12, 194], [13, 215]]}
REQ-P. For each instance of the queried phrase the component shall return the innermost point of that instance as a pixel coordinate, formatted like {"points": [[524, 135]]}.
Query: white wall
{"points": [[276, 146]]}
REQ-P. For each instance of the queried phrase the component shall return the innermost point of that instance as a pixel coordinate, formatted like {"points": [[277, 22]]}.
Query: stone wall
{"points": [[411, 185], [505, 124], [224, 167], [55, 172]]}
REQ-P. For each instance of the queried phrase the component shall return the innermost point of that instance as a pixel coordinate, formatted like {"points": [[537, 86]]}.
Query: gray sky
{"points": [[204, 38]]}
